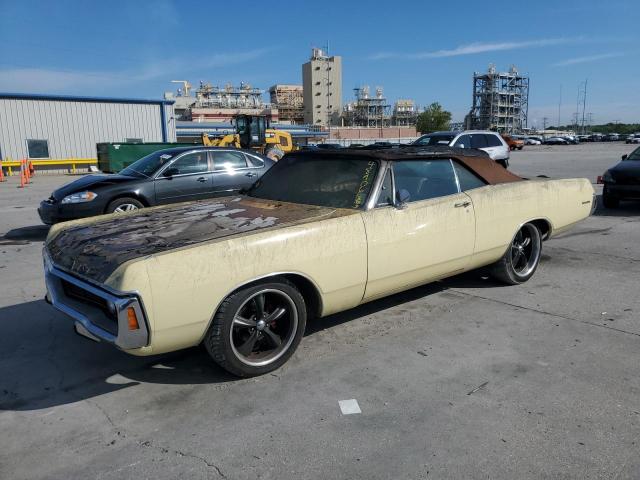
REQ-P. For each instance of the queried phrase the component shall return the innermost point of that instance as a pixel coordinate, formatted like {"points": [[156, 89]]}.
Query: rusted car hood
{"points": [[96, 250]]}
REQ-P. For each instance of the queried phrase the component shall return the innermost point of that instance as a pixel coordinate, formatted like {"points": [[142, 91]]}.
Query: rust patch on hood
{"points": [[96, 250]]}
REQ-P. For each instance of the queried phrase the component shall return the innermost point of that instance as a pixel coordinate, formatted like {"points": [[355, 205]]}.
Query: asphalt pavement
{"points": [[463, 378]]}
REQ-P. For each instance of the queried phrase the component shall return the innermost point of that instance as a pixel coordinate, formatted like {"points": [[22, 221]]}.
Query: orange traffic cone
{"points": [[27, 177], [32, 170], [21, 175]]}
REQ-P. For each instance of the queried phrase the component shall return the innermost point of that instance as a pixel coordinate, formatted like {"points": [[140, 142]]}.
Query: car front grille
{"points": [[79, 294]]}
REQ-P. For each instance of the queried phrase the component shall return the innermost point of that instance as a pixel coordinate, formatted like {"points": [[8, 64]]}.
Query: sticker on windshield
{"points": [[363, 189]]}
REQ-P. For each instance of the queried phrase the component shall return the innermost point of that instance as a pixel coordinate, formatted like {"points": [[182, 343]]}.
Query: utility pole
{"points": [[544, 124], [559, 105], [584, 104]]}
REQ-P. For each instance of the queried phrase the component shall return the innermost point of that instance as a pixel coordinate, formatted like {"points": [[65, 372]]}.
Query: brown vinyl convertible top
{"points": [[476, 160]]}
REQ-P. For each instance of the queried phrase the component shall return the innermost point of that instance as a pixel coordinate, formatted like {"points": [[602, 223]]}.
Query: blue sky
{"points": [[423, 50]]}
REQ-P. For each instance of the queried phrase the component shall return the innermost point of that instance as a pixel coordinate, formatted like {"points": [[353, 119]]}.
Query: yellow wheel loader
{"points": [[252, 132]]}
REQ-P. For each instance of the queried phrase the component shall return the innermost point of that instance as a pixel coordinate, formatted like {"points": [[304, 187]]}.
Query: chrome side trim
{"points": [[87, 317]]}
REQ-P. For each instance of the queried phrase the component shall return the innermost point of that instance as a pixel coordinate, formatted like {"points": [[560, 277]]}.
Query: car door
{"points": [[187, 178], [231, 172], [496, 147], [431, 236]]}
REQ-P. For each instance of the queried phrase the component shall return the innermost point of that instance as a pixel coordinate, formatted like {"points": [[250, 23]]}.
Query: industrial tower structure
{"points": [[367, 110], [322, 89], [289, 101], [500, 101], [405, 113]]}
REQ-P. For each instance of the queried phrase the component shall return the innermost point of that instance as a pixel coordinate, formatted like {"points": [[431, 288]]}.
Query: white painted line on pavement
{"points": [[347, 407]]}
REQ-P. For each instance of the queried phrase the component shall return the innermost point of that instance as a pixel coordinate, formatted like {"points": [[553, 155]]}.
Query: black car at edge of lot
{"points": [[622, 182], [166, 176]]}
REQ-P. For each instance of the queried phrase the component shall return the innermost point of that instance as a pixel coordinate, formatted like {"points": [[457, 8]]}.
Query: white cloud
{"points": [[43, 80], [590, 58], [476, 47]]}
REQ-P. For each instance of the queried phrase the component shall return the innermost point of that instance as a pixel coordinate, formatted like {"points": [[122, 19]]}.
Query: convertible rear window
{"points": [[338, 183]]}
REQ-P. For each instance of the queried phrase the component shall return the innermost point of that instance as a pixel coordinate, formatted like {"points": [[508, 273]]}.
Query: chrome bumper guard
{"points": [[91, 321]]}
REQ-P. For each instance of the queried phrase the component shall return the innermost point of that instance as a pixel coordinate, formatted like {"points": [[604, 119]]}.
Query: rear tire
{"points": [[257, 328], [521, 259], [124, 204], [610, 201]]}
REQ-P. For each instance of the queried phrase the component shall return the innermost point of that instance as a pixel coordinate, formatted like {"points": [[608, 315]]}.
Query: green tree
{"points": [[433, 118]]}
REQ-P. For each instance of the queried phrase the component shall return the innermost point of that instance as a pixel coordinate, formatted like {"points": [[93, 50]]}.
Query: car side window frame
{"points": [[388, 170], [467, 143], [242, 154], [455, 176], [178, 157], [460, 165], [251, 159]]}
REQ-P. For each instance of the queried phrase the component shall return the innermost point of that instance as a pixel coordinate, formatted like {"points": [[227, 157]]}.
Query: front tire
{"points": [[521, 259], [257, 328], [124, 204]]}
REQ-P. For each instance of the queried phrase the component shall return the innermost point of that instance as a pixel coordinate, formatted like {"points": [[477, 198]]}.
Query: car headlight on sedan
{"points": [[608, 178], [79, 197]]}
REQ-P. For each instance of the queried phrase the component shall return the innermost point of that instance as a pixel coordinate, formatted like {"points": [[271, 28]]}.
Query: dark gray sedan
{"points": [[166, 176]]}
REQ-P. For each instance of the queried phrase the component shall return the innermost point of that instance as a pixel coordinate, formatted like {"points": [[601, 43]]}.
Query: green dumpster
{"points": [[113, 157]]}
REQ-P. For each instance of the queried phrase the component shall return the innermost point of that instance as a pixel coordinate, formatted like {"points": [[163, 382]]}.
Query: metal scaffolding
{"points": [[212, 96], [405, 113], [289, 101], [368, 111], [500, 101]]}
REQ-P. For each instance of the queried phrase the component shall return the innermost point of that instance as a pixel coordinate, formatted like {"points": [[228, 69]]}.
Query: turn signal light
{"points": [[132, 318]]}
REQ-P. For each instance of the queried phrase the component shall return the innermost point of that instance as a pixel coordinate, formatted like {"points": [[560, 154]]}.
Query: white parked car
{"points": [[490, 142], [532, 141]]}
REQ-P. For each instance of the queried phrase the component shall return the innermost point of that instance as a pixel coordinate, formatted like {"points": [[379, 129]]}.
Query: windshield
{"points": [[337, 183], [148, 165], [430, 140], [635, 155]]}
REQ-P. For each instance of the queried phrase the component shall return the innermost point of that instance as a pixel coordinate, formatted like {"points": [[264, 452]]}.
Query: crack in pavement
{"points": [[149, 443], [180, 453], [535, 310]]}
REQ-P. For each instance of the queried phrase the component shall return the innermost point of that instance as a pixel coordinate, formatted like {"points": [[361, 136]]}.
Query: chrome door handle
{"points": [[249, 174], [202, 179], [462, 204]]}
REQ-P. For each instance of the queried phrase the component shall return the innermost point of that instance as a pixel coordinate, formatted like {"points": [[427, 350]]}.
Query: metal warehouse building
{"points": [[61, 127]]}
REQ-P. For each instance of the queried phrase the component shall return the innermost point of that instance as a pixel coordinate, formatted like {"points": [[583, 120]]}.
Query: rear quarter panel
{"points": [[501, 209], [187, 285]]}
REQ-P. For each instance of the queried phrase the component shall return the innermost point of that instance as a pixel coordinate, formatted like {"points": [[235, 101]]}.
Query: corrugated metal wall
{"points": [[73, 128]]}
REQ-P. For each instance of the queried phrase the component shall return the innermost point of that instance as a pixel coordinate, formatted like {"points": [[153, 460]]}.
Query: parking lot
{"points": [[463, 378]]}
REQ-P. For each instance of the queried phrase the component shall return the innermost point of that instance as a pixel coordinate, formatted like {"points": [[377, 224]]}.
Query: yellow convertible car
{"points": [[321, 232]]}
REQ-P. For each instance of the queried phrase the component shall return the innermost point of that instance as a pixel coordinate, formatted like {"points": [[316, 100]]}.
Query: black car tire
{"points": [[119, 203], [610, 201], [504, 162], [510, 269], [235, 325]]}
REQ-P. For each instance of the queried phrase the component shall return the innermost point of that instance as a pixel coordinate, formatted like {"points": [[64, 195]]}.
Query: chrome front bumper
{"points": [[99, 315]]}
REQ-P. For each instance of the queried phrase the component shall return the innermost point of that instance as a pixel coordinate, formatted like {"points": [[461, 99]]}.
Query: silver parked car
{"points": [[490, 142]]}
